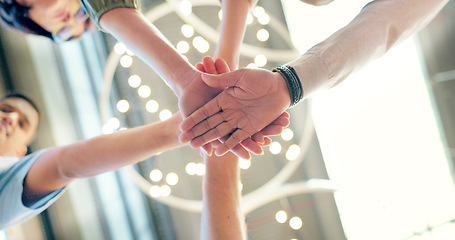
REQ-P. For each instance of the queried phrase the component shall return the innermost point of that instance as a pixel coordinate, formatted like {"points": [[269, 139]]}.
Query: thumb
{"points": [[223, 81]]}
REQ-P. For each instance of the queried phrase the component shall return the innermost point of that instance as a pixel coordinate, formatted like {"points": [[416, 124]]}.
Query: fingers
{"points": [[272, 130], [209, 109], [241, 152], [276, 127], [252, 146], [209, 65], [222, 81], [208, 149], [285, 115], [221, 66], [258, 137], [261, 139], [216, 143], [199, 66], [267, 141], [236, 137], [221, 150], [222, 129], [204, 127], [282, 120]]}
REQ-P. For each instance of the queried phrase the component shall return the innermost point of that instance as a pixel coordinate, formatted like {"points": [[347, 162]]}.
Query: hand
{"points": [[253, 99], [259, 139]]}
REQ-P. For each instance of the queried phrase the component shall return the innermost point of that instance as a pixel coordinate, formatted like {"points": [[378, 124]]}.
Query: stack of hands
{"points": [[232, 111]]}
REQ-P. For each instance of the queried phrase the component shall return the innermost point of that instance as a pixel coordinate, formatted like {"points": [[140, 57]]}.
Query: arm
{"points": [[232, 31], [130, 27], [57, 167], [379, 26], [222, 217]]}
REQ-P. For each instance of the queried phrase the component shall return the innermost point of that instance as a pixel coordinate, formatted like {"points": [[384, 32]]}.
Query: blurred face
{"points": [[18, 125], [63, 18]]}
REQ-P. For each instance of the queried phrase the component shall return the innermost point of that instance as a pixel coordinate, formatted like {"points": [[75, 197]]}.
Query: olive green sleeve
{"points": [[96, 8]]}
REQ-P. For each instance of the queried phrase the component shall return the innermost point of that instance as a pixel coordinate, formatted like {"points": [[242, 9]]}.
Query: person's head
{"points": [[19, 118], [59, 20]]}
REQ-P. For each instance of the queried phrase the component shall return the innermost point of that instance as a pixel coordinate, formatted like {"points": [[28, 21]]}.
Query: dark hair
{"points": [[15, 16], [23, 97]]}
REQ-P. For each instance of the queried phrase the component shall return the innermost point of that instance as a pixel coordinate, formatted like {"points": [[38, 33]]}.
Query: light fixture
{"points": [[144, 91], [295, 223], [113, 123], [275, 148], [134, 81], [244, 163], [264, 19], [126, 61], [187, 30], [287, 134], [106, 129], [249, 19], [293, 152], [220, 15], [258, 11], [165, 191], [201, 44], [260, 60], [165, 114], [191, 168], [155, 191], [183, 47], [186, 7], [200, 169], [119, 48], [252, 65], [263, 35], [281, 216], [152, 106], [123, 106], [172, 178], [156, 175]]}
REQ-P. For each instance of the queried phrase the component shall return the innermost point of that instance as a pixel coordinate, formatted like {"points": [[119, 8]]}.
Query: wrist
{"points": [[293, 85], [222, 175], [170, 130], [182, 77], [282, 87]]}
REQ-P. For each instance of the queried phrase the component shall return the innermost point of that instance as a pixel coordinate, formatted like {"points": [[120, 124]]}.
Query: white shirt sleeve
{"points": [[12, 209]]}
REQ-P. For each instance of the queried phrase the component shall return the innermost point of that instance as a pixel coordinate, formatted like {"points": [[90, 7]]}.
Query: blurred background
{"points": [[369, 159]]}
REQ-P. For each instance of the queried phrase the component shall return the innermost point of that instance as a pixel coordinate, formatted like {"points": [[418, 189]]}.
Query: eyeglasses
{"points": [[65, 32]]}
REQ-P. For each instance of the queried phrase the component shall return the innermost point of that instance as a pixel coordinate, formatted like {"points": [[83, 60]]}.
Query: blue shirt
{"points": [[12, 175]]}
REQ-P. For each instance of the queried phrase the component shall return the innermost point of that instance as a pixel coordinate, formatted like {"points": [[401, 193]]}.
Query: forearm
{"points": [[131, 28], [232, 31], [222, 217], [378, 27], [59, 166]]}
